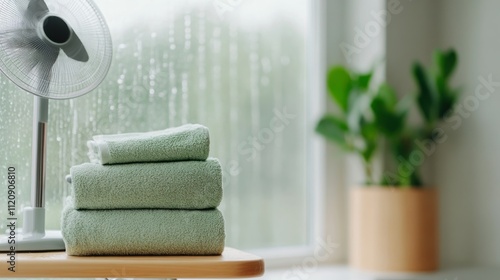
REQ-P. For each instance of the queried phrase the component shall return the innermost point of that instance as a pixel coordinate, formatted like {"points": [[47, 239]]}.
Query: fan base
{"points": [[52, 241]]}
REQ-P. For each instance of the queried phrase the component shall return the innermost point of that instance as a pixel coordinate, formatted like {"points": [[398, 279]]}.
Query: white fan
{"points": [[54, 49]]}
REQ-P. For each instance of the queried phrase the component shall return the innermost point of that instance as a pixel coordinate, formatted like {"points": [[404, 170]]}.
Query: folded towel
{"points": [[187, 142], [173, 185], [142, 232]]}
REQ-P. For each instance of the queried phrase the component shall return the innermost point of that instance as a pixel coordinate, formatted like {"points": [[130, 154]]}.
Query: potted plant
{"points": [[393, 217]]}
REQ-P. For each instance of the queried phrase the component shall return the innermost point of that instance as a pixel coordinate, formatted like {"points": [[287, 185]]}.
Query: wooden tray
{"points": [[231, 264]]}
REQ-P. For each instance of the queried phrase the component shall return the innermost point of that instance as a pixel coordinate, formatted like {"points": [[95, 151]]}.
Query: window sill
{"points": [[345, 273]]}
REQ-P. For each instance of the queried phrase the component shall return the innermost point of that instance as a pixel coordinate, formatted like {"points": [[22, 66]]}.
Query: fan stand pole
{"points": [[33, 237], [34, 216]]}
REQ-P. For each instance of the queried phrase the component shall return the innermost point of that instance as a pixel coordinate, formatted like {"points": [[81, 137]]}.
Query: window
{"points": [[238, 67]]}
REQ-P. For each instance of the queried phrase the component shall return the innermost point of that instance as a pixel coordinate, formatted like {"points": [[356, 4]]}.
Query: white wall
{"points": [[465, 167], [468, 164]]}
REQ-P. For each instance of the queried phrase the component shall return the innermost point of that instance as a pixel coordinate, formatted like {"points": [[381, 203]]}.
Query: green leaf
{"points": [[446, 103], [441, 85], [415, 180], [363, 81], [359, 105], [339, 86], [368, 152], [387, 120], [369, 130], [404, 145], [404, 105], [446, 62], [388, 95], [369, 133], [426, 97], [410, 180], [334, 130]]}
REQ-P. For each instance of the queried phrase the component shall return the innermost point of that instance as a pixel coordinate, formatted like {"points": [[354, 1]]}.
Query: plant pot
{"points": [[394, 229]]}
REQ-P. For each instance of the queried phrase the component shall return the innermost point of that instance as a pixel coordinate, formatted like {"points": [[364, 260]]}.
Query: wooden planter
{"points": [[394, 230]]}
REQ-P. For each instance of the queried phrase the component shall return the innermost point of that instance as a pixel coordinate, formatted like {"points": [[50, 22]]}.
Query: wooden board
{"points": [[231, 264]]}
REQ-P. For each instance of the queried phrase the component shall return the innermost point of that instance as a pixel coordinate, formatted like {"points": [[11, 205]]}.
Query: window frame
{"points": [[315, 146]]}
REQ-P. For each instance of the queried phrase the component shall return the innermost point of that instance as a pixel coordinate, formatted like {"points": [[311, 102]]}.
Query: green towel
{"points": [[142, 232], [173, 185], [187, 142]]}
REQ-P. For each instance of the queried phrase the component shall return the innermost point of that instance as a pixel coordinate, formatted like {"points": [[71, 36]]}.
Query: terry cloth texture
{"points": [[142, 232], [187, 142], [161, 185]]}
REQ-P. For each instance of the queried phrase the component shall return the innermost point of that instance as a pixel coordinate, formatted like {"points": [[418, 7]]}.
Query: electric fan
{"points": [[54, 49]]}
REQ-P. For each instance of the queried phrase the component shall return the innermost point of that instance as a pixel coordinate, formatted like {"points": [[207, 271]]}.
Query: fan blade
{"points": [[36, 10], [45, 65], [75, 49]]}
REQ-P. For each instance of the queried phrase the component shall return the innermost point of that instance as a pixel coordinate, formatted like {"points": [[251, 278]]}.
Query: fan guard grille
{"points": [[22, 53]]}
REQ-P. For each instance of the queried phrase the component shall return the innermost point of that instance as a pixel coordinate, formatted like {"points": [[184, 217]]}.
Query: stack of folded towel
{"points": [[150, 193]]}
